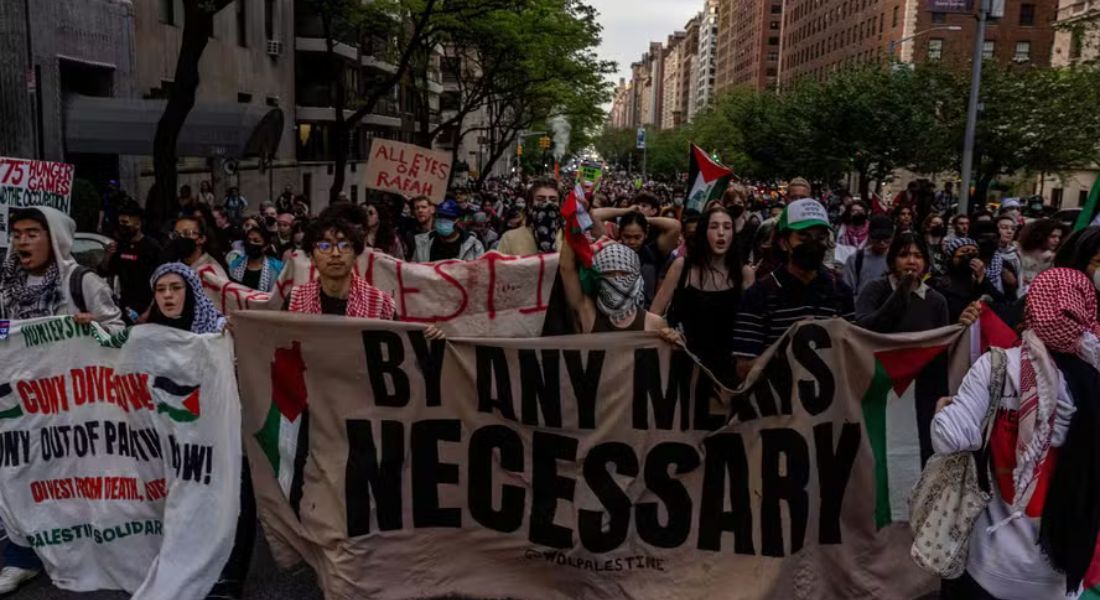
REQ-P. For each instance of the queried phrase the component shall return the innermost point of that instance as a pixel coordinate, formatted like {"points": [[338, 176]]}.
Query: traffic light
{"points": [[519, 150], [544, 143]]}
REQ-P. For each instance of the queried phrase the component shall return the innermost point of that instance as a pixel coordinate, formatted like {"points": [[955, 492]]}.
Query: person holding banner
{"points": [[702, 291], [1037, 537], [254, 268], [620, 297], [40, 278]]}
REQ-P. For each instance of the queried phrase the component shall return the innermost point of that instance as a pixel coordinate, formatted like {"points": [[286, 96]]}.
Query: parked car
{"points": [[89, 249]]}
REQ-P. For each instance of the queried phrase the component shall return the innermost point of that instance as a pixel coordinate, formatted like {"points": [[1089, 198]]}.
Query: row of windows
{"points": [[843, 11], [861, 31], [166, 13], [1022, 52]]}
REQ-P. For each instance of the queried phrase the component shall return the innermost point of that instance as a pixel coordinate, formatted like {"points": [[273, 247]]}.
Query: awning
{"points": [[128, 126]]}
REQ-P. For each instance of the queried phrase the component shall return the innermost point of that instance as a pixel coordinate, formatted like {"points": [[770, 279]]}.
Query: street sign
{"points": [[950, 6], [641, 139]]}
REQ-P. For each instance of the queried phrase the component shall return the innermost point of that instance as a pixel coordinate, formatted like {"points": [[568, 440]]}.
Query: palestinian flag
{"points": [[707, 179], [285, 434], [895, 421], [180, 402], [1089, 210], [11, 412], [1092, 577]]}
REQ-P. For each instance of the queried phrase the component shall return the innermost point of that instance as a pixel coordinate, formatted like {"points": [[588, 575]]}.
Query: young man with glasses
{"points": [[800, 289]]}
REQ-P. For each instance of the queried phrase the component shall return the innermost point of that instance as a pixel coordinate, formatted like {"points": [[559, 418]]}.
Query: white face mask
{"points": [[1096, 279]]}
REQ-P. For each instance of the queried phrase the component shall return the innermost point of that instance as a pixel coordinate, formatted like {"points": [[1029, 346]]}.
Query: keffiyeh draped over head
{"points": [[952, 245], [1061, 317], [621, 294], [204, 317]]}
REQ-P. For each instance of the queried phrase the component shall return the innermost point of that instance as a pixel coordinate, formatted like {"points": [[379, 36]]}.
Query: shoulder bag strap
{"points": [[998, 373]]}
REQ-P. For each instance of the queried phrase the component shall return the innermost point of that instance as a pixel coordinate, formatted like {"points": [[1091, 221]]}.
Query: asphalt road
{"points": [[265, 582]]}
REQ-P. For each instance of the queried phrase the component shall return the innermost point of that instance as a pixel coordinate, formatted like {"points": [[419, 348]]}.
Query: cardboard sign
{"points": [[408, 170], [32, 183]]}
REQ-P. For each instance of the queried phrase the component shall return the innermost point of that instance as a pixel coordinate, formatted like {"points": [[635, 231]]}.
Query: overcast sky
{"points": [[629, 26]]}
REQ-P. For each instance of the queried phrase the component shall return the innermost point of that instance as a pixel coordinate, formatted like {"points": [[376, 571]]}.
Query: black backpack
{"points": [[76, 287]]}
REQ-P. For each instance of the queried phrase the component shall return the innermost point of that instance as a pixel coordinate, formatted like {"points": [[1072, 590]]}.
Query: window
{"points": [[1082, 197], [773, 41], [1023, 52], [269, 19], [242, 24], [1027, 15], [777, 9], [244, 98], [895, 17], [1075, 43], [773, 55], [987, 49], [935, 49], [166, 11], [774, 25], [939, 17]]}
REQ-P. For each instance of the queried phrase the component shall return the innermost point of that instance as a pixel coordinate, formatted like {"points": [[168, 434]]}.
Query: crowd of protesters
{"points": [[727, 279]]}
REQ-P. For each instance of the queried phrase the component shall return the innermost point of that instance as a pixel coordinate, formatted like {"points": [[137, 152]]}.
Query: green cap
{"points": [[803, 214]]}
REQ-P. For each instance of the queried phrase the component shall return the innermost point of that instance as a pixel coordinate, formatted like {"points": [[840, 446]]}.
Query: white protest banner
{"points": [[32, 183], [120, 458], [596, 466], [408, 170], [496, 295]]}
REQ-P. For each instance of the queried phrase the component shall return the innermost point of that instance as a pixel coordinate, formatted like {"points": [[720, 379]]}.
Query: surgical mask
{"points": [[1096, 279], [808, 256], [253, 250], [444, 227]]}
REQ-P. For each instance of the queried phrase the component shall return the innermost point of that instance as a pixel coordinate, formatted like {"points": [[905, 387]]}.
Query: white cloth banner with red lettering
{"points": [[120, 458]]}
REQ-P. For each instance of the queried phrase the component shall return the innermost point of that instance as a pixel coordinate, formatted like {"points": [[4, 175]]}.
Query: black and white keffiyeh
{"points": [[621, 294], [18, 300]]}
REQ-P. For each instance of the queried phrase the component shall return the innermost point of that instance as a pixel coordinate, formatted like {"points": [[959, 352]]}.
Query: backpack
{"points": [[76, 287]]}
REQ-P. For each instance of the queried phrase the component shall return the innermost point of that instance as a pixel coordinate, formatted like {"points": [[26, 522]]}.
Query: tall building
{"points": [[689, 59], [1076, 36], [673, 114], [821, 39], [748, 43], [649, 83], [620, 114], [702, 86]]}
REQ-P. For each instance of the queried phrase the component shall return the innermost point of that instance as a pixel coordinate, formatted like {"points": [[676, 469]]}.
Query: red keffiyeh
{"points": [[364, 300]]}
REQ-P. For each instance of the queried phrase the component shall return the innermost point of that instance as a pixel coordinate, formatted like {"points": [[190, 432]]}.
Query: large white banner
{"points": [[120, 458]]}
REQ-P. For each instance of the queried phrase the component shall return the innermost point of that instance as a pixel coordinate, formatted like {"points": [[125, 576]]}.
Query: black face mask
{"points": [[962, 268], [737, 210], [859, 219], [808, 256], [253, 251], [987, 246], [939, 231], [179, 249], [126, 234]]}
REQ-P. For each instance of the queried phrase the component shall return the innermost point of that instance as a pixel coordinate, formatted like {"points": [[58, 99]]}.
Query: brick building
{"points": [[748, 43]]}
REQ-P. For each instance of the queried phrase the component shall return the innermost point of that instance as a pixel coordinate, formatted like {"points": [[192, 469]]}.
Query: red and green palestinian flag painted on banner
{"points": [[891, 417], [284, 437], [707, 179]]}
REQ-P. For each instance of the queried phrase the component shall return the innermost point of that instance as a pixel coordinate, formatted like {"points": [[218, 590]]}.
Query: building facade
{"points": [[702, 85], [673, 114], [749, 37]]}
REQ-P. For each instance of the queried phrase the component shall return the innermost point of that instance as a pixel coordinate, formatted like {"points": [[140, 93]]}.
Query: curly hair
{"points": [[319, 227]]}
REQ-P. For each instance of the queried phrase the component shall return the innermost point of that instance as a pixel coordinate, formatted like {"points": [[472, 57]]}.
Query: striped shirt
{"points": [[779, 300]]}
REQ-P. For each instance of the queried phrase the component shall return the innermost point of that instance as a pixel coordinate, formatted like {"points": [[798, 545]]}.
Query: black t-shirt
{"points": [[333, 306], [443, 250], [133, 263], [252, 278]]}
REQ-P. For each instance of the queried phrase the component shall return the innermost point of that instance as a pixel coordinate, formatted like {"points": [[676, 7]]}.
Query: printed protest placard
{"points": [[32, 183], [120, 458], [408, 170], [599, 466]]}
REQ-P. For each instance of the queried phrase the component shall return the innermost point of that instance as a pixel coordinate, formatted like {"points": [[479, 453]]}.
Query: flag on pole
{"points": [[1088, 211], [577, 222], [707, 179]]}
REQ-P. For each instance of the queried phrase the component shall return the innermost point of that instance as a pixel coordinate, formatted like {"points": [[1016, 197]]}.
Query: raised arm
{"points": [[670, 233], [663, 298]]}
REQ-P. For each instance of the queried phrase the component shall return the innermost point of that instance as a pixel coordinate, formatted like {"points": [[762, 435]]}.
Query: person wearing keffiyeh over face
{"points": [[1037, 538], [617, 305]]}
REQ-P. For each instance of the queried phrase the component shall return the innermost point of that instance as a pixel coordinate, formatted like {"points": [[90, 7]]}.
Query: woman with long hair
{"points": [[702, 290], [380, 233], [1039, 241], [1036, 539], [254, 266]]}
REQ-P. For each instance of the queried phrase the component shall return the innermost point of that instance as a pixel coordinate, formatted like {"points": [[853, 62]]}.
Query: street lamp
{"points": [[895, 43]]}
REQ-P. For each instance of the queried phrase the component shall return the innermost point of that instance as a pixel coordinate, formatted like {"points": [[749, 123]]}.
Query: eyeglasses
{"points": [[327, 247], [191, 235], [27, 235]]}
